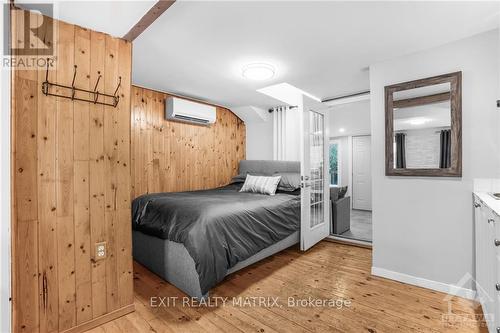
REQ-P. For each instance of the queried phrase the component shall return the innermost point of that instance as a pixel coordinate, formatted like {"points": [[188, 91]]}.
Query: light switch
{"points": [[100, 251]]}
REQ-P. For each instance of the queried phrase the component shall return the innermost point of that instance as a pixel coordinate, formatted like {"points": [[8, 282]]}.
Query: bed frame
{"points": [[171, 260]]}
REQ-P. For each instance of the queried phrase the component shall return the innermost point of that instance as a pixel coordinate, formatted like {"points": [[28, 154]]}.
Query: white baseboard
{"points": [[424, 283]]}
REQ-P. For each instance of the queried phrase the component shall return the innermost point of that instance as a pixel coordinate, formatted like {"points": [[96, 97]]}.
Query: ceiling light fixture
{"points": [[418, 121], [258, 71], [341, 130]]}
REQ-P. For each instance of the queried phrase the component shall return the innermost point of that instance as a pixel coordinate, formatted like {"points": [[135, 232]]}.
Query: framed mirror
{"points": [[423, 127]]}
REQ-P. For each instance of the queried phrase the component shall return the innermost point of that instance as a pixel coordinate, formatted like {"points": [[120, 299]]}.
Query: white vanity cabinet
{"points": [[487, 230]]}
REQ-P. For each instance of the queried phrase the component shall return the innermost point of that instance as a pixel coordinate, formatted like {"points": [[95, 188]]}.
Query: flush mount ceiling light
{"points": [[258, 71], [341, 130]]}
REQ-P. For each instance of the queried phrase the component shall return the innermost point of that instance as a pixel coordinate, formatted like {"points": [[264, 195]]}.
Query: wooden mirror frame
{"points": [[455, 96]]}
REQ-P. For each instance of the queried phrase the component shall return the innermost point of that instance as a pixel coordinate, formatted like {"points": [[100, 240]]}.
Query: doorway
{"points": [[350, 187], [350, 172]]}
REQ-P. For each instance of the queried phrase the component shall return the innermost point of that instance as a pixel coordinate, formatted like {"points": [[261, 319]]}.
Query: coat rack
{"points": [[95, 93]]}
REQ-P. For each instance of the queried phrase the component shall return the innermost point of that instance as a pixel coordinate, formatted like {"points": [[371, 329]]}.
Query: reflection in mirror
{"points": [[422, 127]]}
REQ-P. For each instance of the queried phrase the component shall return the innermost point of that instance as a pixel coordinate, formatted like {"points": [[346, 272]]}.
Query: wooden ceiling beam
{"points": [[159, 8]]}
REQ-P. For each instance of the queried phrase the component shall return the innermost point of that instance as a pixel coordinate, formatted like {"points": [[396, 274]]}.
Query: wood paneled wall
{"points": [[170, 156], [71, 186]]}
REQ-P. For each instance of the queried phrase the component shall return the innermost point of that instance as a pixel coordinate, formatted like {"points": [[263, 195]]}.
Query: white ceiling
{"points": [[324, 48], [112, 17]]}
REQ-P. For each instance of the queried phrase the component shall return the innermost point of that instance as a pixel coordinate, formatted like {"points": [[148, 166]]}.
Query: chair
{"points": [[341, 210]]}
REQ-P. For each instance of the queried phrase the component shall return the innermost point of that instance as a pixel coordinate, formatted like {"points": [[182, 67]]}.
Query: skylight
{"points": [[286, 93]]}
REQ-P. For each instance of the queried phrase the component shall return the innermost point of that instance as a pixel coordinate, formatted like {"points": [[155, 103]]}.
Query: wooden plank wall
{"points": [[71, 185], [169, 156]]}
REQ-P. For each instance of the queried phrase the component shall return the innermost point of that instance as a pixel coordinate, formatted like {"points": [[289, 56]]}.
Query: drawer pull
{"points": [[497, 242], [497, 286]]}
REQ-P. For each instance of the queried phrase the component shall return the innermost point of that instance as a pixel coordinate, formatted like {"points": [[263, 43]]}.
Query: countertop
{"points": [[489, 201]]}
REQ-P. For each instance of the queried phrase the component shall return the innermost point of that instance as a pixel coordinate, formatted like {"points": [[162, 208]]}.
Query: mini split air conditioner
{"points": [[187, 111]]}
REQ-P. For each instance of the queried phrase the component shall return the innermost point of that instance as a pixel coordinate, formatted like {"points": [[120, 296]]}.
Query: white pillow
{"points": [[261, 184]]}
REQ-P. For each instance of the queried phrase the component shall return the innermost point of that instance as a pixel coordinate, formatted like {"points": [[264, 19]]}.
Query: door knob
{"points": [[497, 286], [491, 220], [476, 205], [497, 242]]}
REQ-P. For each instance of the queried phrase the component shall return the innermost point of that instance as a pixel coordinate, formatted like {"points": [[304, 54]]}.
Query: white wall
{"points": [[345, 161], [259, 145], [354, 118], [423, 227], [5, 309], [260, 136]]}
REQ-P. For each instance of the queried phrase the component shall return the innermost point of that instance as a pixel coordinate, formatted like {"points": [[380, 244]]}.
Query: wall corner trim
{"points": [[425, 283]]}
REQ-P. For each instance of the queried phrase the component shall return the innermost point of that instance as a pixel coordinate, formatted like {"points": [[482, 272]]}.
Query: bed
{"points": [[194, 239]]}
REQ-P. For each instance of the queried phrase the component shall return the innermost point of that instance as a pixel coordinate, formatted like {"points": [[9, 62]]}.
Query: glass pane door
{"points": [[315, 195], [316, 163]]}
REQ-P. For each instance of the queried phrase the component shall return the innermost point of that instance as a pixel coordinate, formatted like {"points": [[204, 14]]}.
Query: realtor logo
{"points": [[34, 33], [459, 319]]}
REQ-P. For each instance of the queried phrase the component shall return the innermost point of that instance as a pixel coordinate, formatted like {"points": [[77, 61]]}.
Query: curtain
{"points": [[280, 132], [445, 149], [400, 150]]}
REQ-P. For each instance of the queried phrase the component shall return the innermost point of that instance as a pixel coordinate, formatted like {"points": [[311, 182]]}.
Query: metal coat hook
{"points": [[45, 84], [73, 83], [117, 98], [73, 96], [96, 92], [118, 86]]}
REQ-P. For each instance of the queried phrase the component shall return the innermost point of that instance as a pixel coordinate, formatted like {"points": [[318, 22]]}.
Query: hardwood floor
{"points": [[327, 271]]}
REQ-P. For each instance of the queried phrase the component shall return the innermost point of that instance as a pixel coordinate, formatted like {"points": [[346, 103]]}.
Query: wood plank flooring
{"points": [[329, 271]]}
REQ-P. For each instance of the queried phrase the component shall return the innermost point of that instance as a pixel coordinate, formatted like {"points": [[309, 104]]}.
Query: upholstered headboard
{"points": [[268, 167]]}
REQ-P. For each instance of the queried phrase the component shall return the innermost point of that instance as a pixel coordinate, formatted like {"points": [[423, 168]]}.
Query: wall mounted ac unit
{"points": [[187, 111]]}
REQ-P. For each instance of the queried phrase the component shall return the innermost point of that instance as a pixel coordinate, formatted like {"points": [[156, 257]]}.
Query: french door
{"points": [[315, 193]]}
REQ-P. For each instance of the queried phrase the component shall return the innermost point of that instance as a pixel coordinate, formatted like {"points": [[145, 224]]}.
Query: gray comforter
{"points": [[218, 227]]}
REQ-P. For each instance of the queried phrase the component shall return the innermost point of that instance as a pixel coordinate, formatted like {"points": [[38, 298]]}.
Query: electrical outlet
{"points": [[100, 251]]}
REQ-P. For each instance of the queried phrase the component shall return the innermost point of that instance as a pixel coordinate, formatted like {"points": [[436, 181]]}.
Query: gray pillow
{"points": [[242, 177], [342, 192], [239, 179], [290, 181], [337, 193]]}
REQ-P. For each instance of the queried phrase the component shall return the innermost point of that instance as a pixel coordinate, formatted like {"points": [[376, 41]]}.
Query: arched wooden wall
{"points": [[170, 156]]}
